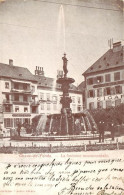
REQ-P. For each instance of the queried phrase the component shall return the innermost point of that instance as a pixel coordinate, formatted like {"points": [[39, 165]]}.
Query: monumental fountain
{"points": [[65, 125]]}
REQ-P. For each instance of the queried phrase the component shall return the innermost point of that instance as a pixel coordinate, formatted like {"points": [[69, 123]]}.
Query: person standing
{"points": [[112, 129], [101, 127], [18, 128]]}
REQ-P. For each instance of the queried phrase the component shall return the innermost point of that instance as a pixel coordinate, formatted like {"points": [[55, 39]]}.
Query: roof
{"points": [[51, 82], [16, 72], [82, 86], [110, 59]]}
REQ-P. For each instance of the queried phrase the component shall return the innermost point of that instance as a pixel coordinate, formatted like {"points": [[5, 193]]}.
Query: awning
{"points": [[20, 81]]}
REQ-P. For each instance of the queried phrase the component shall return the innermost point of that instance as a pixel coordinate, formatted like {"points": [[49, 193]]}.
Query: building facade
{"points": [[18, 92], [105, 79]]}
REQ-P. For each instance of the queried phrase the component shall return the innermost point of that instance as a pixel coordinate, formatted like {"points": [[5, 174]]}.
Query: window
{"points": [[79, 108], [7, 108], [7, 97], [42, 96], [118, 89], [99, 79], [73, 99], [16, 109], [25, 98], [16, 86], [42, 106], [48, 96], [100, 104], [91, 93], [107, 91], [33, 89], [8, 122], [25, 86], [107, 78], [54, 98], [34, 110], [25, 109], [7, 85], [48, 106], [91, 105], [99, 92], [54, 106], [117, 76], [16, 97], [117, 102], [73, 107], [108, 103], [79, 100], [90, 81]]}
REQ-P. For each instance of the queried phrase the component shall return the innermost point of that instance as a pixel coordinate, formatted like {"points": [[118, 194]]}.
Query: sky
{"points": [[38, 32]]}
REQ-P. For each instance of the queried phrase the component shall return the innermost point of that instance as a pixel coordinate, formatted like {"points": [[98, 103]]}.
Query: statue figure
{"points": [[65, 65]]}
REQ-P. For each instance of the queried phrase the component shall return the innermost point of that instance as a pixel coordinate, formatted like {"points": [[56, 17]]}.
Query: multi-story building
{"points": [[105, 79], [18, 93], [49, 94]]}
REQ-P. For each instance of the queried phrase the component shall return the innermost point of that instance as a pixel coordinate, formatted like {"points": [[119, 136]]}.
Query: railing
{"points": [[48, 100], [5, 101], [20, 102], [21, 90]]}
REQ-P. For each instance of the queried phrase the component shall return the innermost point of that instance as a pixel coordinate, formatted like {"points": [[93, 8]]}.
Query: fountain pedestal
{"points": [[67, 124]]}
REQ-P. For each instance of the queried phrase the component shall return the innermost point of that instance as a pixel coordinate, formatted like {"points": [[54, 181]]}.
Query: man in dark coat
{"points": [[18, 128], [101, 127], [112, 129]]}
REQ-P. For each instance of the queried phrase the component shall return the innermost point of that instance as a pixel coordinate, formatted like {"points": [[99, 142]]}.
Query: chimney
{"points": [[10, 62], [39, 71], [117, 46]]}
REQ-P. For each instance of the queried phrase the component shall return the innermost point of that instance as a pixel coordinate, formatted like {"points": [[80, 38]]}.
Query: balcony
{"points": [[5, 101], [26, 91], [19, 102], [48, 100]]}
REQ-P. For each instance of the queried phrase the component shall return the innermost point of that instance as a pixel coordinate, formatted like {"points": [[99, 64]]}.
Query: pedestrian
{"points": [[18, 128], [101, 126], [112, 129]]}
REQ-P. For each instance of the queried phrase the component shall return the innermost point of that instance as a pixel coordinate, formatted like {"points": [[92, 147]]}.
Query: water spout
{"points": [[61, 26]]}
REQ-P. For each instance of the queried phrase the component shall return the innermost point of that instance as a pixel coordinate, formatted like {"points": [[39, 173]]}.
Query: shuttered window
{"points": [[99, 92], [107, 78], [118, 89], [91, 93], [117, 76]]}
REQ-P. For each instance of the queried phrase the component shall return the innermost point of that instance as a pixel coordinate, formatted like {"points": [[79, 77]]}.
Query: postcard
{"points": [[61, 97]]}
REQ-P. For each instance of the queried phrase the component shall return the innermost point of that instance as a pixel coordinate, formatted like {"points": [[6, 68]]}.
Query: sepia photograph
{"points": [[62, 97]]}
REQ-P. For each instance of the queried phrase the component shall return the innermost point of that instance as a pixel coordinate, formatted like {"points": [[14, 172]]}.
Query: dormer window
{"points": [[20, 75], [104, 58]]}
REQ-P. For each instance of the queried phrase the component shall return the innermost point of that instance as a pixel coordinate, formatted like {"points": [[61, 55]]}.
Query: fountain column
{"points": [[66, 112]]}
